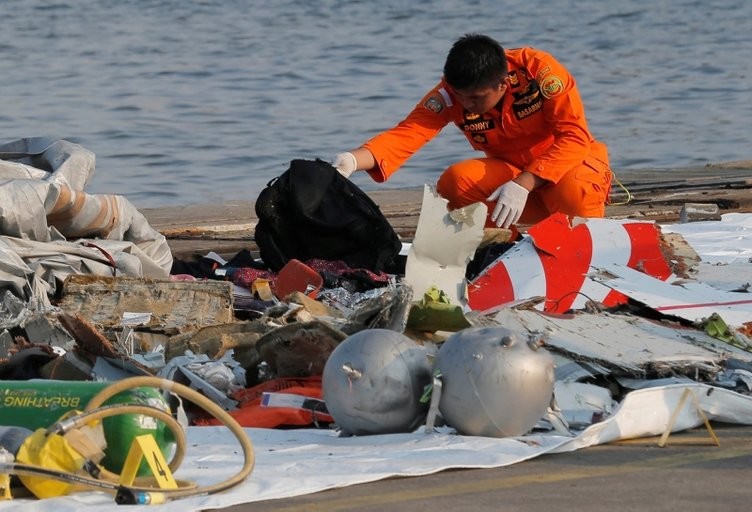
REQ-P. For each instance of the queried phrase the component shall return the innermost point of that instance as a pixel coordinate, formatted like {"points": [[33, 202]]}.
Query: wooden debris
{"points": [[215, 340], [299, 349], [87, 336], [173, 305]]}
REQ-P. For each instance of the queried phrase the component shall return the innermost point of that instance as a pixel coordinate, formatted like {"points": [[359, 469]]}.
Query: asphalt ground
{"points": [[689, 474]]}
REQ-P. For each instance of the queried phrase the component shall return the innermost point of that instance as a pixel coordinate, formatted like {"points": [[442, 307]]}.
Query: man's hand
{"points": [[345, 163], [510, 201]]}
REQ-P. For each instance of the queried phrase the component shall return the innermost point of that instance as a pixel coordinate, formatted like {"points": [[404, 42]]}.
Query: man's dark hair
{"points": [[475, 61]]}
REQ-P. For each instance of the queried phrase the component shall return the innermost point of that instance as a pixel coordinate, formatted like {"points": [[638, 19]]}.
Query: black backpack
{"points": [[312, 211]]}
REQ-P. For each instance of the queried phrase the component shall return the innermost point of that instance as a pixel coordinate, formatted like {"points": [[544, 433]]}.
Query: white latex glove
{"points": [[510, 201], [345, 163]]}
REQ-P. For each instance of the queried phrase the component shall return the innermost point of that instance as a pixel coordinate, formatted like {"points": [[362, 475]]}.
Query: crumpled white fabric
{"points": [[50, 228]]}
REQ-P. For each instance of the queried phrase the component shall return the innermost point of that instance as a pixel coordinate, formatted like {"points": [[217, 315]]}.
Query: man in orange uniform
{"points": [[522, 109]]}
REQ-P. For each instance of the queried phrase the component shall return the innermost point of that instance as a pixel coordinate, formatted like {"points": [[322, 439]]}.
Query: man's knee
{"points": [[470, 181], [580, 201], [452, 187]]}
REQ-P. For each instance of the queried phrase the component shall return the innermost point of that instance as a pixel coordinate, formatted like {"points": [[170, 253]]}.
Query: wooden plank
{"points": [[173, 305]]}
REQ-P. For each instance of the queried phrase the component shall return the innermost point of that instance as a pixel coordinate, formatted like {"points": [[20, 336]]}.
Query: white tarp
{"points": [[725, 248], [40, 158], [297, 462], [50, 227], [727, 241]]}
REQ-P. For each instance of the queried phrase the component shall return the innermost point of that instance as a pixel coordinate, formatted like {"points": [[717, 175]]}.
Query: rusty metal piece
{"points": [[87, 336]]}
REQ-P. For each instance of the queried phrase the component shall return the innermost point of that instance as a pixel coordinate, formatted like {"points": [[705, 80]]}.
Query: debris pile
{"points": [[608, 306]]}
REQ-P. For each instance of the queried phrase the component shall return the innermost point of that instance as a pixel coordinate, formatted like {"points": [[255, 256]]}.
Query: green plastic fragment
{"points": [[434, 312]]}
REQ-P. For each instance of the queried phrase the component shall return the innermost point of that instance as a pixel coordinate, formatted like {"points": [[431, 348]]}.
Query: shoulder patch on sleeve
{"points": [[434, 103], [551, 86]]}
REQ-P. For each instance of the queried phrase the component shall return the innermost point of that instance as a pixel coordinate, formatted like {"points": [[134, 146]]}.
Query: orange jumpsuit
{"points": [[538, 126]]}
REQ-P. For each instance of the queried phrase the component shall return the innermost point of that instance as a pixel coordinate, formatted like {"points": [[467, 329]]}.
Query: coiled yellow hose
{"points": [[142, 493]]}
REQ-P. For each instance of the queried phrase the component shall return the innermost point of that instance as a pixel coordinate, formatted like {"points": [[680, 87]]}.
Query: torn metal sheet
{"points": [[731, 277], [42, 329], [174, 305], [111, 369], [554, 259], [185, 370], [69, 366], [685, 299], [6, 343], [444, 244], [624, 343], [571, 371], [630, 383], [583, 404], [23, 319]]}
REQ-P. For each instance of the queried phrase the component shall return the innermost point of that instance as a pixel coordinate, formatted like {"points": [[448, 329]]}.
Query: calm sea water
{"points": [[194, 101]]}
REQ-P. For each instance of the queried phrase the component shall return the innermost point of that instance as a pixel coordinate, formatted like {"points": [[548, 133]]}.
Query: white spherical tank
{"points": [[373, 381], [495, 382]]}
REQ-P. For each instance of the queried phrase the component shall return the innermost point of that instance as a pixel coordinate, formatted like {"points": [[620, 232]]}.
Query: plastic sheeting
{"points": [[41, 158], [50, 227], [302, 461]]}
